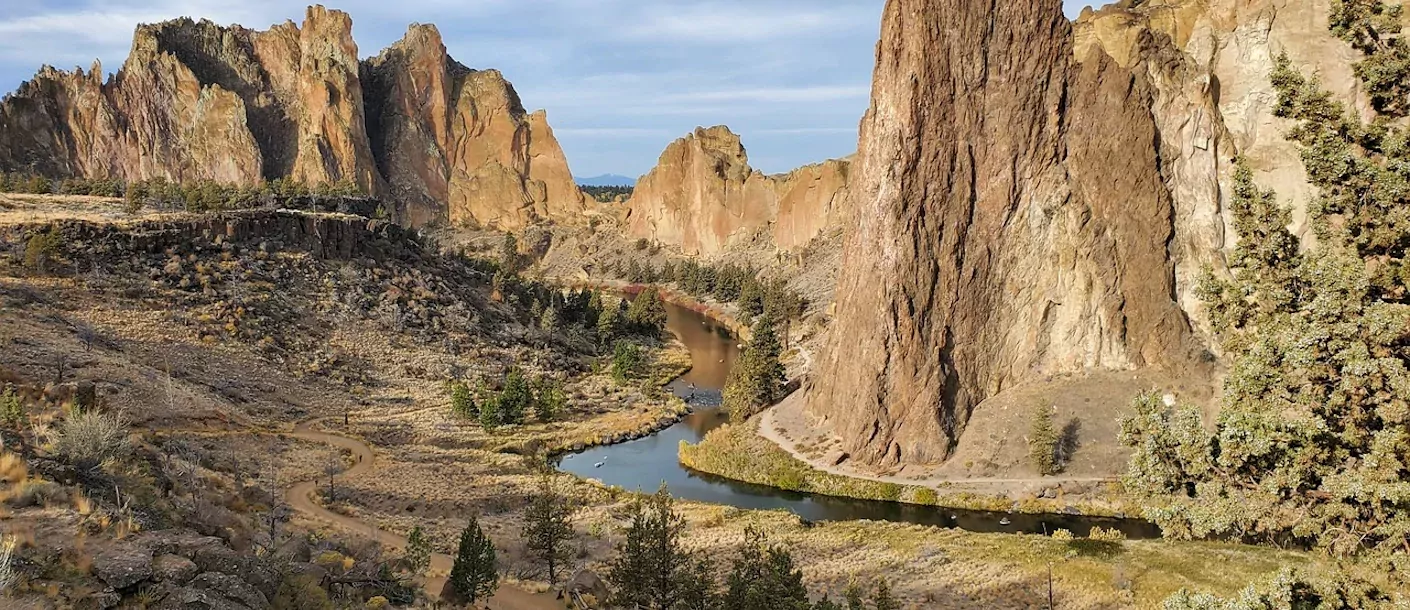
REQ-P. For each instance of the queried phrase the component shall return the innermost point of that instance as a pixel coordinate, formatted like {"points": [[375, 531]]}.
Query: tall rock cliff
{"points": [[456, 144], [196, 101], [702, 196], [1011, 220]]}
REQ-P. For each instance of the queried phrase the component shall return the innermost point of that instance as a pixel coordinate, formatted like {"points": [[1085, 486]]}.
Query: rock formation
{"points": [[1037, 197], [702, 195], [456, 144], [196, 101], [1011, 220]]}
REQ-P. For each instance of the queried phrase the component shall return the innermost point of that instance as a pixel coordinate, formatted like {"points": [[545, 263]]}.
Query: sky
{"points": [[620, 79]]}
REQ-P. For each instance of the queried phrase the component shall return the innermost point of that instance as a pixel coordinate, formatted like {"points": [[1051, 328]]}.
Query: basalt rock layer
{"points": [[702, 196], [195, 101]]}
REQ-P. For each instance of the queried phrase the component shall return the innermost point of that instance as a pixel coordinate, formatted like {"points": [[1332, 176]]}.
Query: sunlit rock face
{"points": [[197, 101], [703, 195]]}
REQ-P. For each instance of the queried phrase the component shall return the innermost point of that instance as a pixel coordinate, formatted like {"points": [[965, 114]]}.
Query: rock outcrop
{"points": [[1011, 220], [702, 195], [195, 101], [456, 144]]}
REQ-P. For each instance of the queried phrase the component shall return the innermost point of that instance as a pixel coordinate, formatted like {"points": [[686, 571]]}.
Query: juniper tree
{"points": [[548, 527], [647, 313], [1043, 441], [764, 578], [417, 555], [1314, 435], [462, 402], [651, 570], [474, 576], [757, 378]]}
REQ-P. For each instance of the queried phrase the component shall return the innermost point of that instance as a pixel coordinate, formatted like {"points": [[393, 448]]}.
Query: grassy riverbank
{"points": [[738, 452]]}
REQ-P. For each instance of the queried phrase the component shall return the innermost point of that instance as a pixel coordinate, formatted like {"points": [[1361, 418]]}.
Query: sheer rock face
{"points": [[1209, 62], [702, 195], [197, 101], [456, 144], [1011, 221]]}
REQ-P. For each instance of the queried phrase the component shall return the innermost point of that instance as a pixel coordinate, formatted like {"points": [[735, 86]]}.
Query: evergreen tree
{"points": [[609, 324], [854, 596], [515, 398], [591, 313], [1043, 442], [490, 413], [764, 578], [548, 528], [626, 360], [474, 576], [462, 402], [881, 599], [550, 319], [756, 380], [751, 298], [549, 400], [417, 555], [826, 603], [509, 254], [647, 313], [651, 570], [1313, 438]]}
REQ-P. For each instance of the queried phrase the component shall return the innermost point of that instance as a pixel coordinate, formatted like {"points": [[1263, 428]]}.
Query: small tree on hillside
{"points": [[651, 570], [626, 361], [764, 578], [474, 576], [509, 253], [462, 402], [417, 556], [757, 379], [647, 313], [548, 528], [1043, 442]]}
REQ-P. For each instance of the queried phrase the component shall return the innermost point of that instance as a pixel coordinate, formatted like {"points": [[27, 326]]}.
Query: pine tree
{"points": [[548, 528], [474, 576], [490, 416], [609, 325], [515, 398], [462, 402], [417, 555], [854, 596], [549, 400], [509, 254]]}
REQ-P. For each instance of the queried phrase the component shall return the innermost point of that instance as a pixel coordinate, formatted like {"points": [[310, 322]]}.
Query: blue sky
{"points": [[620, 78]]}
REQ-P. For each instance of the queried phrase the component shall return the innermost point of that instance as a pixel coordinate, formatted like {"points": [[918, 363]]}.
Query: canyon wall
{"points": [[1011, 220], [1036, 197], [196, 101], [702, 196]]}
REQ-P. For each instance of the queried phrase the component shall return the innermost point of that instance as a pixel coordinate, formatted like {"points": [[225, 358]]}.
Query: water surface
{"points": [[644, 464]]}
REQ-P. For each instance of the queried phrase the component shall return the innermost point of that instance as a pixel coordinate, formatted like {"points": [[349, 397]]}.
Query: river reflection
{"points": [[644, 464]]}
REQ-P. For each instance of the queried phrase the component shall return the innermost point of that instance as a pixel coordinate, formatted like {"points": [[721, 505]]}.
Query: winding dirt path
{"points": [[300, 498]]}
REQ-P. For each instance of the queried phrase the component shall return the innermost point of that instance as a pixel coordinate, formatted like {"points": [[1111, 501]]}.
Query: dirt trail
{"points": [[784, 422], [300, 497]]}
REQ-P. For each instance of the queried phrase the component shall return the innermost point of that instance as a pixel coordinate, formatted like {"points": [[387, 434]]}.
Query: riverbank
{"points": [[787, 429], [741, 453]]}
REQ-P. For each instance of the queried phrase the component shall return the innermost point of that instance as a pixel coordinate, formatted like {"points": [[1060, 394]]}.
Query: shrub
{"points": [[301, 593], [42, 250], [86, 438], [11, 408], [1062, 535], [8, 575], [1107, 535], [926, 496]]}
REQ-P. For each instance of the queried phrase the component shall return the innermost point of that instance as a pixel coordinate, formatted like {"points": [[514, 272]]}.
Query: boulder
{"points": [[173, 568], [123, 565]]}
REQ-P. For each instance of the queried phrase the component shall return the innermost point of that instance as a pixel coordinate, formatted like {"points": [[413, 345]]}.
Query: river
{"points": [[644, 464]]}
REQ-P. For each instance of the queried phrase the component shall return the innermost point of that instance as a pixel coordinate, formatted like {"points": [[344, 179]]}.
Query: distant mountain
{"points": [[606, 180]]}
